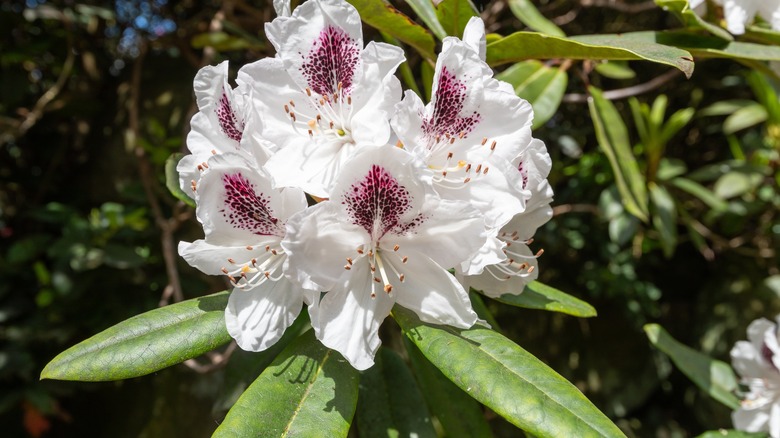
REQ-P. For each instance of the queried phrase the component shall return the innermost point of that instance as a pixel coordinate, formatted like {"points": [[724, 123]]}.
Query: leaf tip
{"points": [[653, 331]]}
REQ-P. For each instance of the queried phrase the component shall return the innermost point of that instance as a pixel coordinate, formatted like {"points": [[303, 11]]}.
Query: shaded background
{"points": [[96, 95]]}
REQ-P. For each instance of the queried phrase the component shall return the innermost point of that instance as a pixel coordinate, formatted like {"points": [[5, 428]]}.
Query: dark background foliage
{"points": [[96, 95]]}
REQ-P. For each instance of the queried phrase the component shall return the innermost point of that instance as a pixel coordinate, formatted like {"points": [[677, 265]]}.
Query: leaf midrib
{"points": [[295, 413]]}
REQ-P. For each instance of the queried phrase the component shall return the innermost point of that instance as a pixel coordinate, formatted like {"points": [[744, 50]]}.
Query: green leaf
{"points": [[526, 12], [521, 46], [501, 375], [172, 179], [308, 390], [427, 13], [612, 135], [744, 118], [705, 46], [390, 403], [725, 107], [543, 87], [455, 14], [146, 343], [690, 19], [664, 218], [385, 18], [713, 376], [737, 182], [615, 70], [540, 296], [704, 194], [459, 414], [221, 42], [245, 366]]}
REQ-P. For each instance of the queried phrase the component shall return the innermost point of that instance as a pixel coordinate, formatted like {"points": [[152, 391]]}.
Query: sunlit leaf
{"points": [[706, 46], [526, 12], [690, 19], [744, 118], [713, 376], [613, 139], [730, 433], [390, 402], [704, 194], [459, 414], [427, 13], [512, 382], [615, 70], [537, 295], [521, 46], [455, 14], [308, 390], [543, 87], [384, 17], [146, 343], [737, 182]]}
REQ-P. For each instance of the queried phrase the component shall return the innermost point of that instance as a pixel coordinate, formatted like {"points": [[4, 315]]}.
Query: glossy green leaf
{"points": [[615, 70], [390, 403], [664, 217], [744, 118], [455, 14], [459, 414], [221, 42], [308, 390], [613, 139], [427, 13], [384, 17], [479, 306], [172, 179], [706, 46], [690, 19], [245, 366], [725, 107], [526, 12], [501, 375], [537, 295], [543, 87], [737, 182], [521, 46], [704, 194], [146, 343], [713, 376]]}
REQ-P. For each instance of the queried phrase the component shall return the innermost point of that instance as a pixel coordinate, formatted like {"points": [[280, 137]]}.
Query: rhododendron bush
{"points": [[366, 218]]}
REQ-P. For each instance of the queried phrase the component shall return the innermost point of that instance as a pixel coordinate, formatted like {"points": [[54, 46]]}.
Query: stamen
{"points": [[395, 248], [484, 140], [249, 248], [493, 145]]}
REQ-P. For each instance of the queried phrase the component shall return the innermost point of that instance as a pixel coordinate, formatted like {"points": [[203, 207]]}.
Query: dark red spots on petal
{"points": [[228, 121], [246, 209], [446, 121], [523, 172], [377, 202], [767, 354], [331, 61]]}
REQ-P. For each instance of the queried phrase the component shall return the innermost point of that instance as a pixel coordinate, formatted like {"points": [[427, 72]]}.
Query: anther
{"points": [[311, 133], [349, 260], [249, 248], [292, 116], [200, 167], [205, 165], [287, 109], [539, 253], [462, 134], [231, 261], [377, 280], [193, 185], [213, 152], [331, 125], [360, 251], [347, 267], [267, 248], [466, 180], [404, 259], [493, 145], [449, 155], [479, 168], [484, 172], [468, 168], [452, 140], [273, 251], [349, 100], [254, 262], [401, 278], [224, 271], [267, 274], [308, 92], [395, 248], [373, 268], [530, 269], [484, 140], [388, 288], [292, 104]]}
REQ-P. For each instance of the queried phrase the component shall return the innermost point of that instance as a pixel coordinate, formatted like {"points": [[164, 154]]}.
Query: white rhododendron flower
{"points": [[739, 13], [324, 95], [520, 267], [383, 238], [226, 122], [244, 217], [757, 361]]}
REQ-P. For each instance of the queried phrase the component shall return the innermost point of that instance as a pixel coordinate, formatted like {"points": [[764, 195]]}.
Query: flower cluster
{"points": [[739, 13], [400, 193], [757, 361]]}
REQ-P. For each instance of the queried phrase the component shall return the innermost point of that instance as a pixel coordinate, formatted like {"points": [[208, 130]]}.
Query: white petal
{"points": [[211, 259], [491, 252], [208, 84], [256, 318], [317, 244], [747, 361], [738, 13], [348, 317], [431, 292], [751, 420], [282, 8], [493, 282], [474, 36]]}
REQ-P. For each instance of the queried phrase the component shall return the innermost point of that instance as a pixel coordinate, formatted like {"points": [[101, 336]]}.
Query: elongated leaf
{"points": [[690, 19], [664, 218], [384, 17], [459, 414], [737, 182], [744, 118], [713, 376], [308, 390], [725, 107], [540, 296], [521, 46], [615, 70], [730, 433], [543, 87], [705, 46], [701, 192], [172, 179], [427, 13], [146, 343], [390, 403], [509, 380], [455, 14], [526, 12], [613, 140], [245, 366]]}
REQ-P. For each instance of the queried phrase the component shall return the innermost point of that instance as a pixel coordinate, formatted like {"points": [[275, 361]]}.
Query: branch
{"points": [[623, 93]]}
